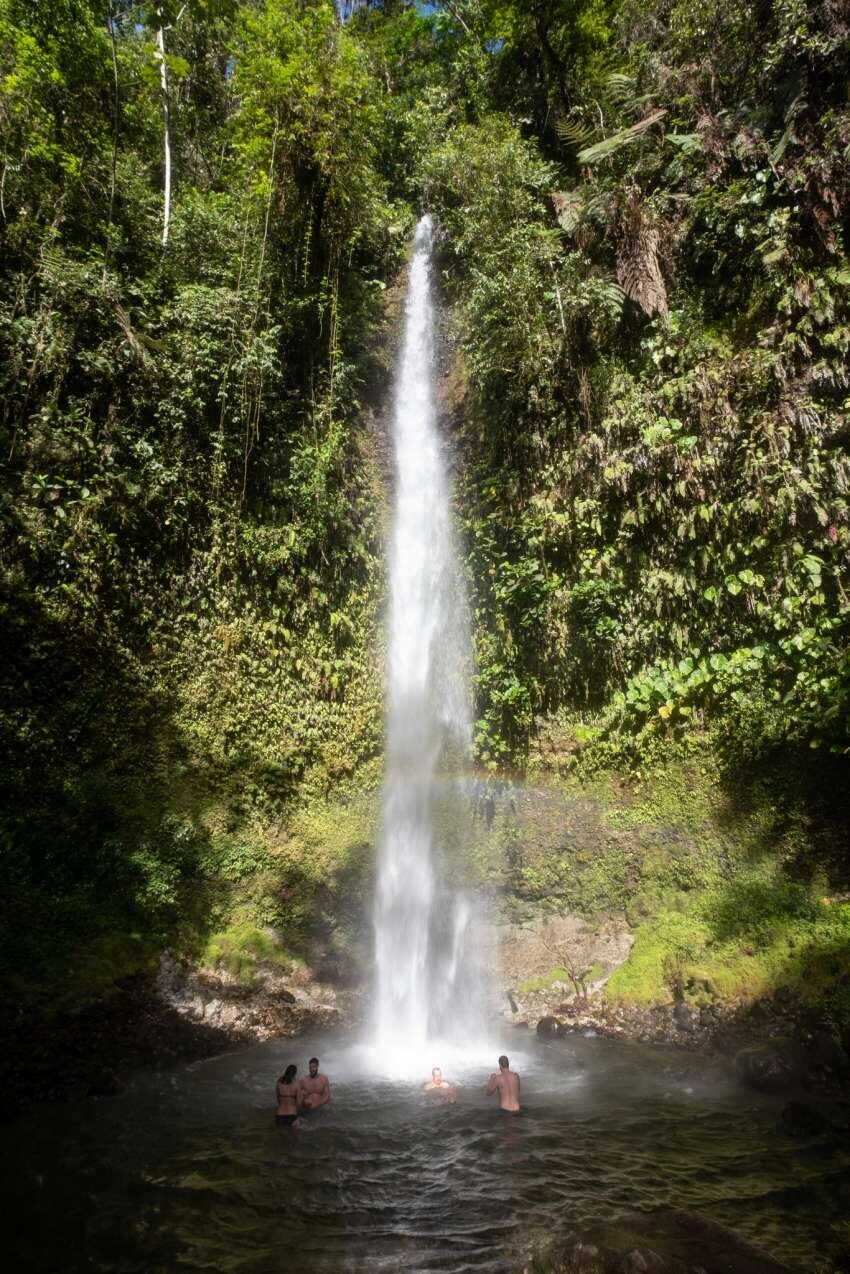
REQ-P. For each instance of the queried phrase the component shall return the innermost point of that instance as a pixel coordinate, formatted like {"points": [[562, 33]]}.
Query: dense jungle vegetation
{"points": [[204, 213]]}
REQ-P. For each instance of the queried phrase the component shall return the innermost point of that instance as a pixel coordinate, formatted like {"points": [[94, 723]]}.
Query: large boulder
{"points": [[548, 1026], [772, 1067]]}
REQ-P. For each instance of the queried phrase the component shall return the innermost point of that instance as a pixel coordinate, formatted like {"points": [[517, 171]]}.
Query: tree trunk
{"points": [[163, 81]]}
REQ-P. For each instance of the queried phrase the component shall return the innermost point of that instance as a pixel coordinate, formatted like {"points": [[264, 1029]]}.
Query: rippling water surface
{"points": [[187, 1171]]}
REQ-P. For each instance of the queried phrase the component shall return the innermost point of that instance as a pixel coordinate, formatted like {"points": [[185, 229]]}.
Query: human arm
{"points": [[493, 1085]]}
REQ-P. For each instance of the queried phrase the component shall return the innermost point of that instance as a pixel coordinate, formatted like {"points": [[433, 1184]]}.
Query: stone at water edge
{"points": [[827, 1060], [548, 1026], [686, 1016]]}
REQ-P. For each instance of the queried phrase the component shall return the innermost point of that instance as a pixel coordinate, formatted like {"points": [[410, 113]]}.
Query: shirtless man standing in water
{"points": [[442, 1087], [315, 1090], [505, 1082]]}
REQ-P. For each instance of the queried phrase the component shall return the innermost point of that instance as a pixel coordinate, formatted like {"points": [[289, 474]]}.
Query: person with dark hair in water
{"points": [[505, 1082], [314, 1089], [287, 1092]]}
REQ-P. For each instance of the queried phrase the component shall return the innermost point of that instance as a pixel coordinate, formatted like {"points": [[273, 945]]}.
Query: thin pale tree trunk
{"points": [[166, 132], [166, 118]]}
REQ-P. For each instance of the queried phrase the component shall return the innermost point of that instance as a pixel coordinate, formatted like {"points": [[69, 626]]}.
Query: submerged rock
{"points": [[801, 1119], [773, 1066], [662, 1242]]}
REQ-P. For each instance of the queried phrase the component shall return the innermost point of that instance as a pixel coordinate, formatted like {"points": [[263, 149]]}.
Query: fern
{"points": [[685, 142], [574, 131], [610, 145], [613, 293], [619, 88], [795, 110]]}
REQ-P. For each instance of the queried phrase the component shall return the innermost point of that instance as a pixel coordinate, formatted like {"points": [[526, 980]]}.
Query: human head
{"points": [[289, 1074], [436, 1074], [314, 1066], [503, 1063]]}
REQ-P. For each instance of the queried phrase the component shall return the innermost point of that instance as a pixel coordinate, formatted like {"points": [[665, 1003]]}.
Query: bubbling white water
{"points": [[430, 991]]}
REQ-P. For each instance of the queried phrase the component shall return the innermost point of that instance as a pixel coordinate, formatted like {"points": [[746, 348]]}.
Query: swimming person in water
{"points": [[314, 1088], [442, 1087], [505, 1082], [287, 1093]]}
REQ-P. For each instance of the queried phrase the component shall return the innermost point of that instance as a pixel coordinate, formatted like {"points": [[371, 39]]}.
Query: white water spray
{"points": [[428, 989]]}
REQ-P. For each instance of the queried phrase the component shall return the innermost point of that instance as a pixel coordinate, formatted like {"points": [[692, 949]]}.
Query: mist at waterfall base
{"points": [[431, 970]]}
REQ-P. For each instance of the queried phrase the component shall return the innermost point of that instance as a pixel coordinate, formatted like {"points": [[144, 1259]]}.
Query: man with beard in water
{"points": [[436, 1084], [315, 1090], [505, 1082]]}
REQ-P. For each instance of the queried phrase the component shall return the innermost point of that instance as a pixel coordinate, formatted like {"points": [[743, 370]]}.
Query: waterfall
{"points": [[427, 988]]}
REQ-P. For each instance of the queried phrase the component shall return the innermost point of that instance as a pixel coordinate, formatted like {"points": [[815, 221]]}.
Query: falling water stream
{"points": [[185, 1169], [429, 990]]}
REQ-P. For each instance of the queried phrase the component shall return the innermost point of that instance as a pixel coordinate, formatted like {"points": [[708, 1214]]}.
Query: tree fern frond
{"points": [[610, 145], [619, 87], [613, 293], [574, 131], [597, 206]]}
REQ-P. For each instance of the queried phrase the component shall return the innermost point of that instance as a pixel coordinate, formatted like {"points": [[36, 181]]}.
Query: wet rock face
{"points": [[549, 962], [270, 1006]]}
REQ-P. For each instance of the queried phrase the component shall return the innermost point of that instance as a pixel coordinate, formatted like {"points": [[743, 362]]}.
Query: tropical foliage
{"points": [[203, 214]]}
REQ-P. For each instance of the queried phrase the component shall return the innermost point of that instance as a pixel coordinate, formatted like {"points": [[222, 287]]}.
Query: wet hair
{"points": [[288, 1075], [312, 1060], [503, 1062]]}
